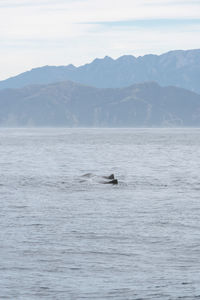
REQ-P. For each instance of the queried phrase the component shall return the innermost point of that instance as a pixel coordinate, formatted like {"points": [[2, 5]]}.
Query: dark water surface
{"points": [[66, 236]]}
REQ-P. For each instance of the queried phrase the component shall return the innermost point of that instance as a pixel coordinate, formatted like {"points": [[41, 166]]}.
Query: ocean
{"points": [[64, 234]]}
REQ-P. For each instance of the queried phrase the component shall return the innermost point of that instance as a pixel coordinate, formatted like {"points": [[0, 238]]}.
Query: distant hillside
{"points": [[178, 68], [71, 104]]}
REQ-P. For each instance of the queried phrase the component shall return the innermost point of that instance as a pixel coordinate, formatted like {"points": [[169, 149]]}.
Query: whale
{"points": [[114, 181], [110, 179], [112, 176]]}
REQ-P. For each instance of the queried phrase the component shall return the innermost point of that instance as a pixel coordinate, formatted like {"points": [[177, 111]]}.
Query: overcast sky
{"points": [[34, 33]]}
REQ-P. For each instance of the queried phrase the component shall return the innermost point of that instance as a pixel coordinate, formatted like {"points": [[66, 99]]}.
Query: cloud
{"points": [[37, 32], [153, 23]]}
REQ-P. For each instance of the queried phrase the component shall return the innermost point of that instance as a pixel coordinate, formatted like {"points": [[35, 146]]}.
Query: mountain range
{"points": [[72, 104], [178, 68]]}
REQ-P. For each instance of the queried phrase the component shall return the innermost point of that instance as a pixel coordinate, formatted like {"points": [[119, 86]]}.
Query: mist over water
{"points": [[66, 236]]}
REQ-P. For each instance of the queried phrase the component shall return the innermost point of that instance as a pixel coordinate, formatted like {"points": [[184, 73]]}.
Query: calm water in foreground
{"points": [[66, 236]]}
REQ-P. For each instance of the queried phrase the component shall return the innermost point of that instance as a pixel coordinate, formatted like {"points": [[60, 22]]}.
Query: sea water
{"points": [[66, 235]]}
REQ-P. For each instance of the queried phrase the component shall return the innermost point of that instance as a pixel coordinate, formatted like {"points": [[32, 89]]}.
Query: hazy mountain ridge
{"points": [[179, 68], [71, 104]]}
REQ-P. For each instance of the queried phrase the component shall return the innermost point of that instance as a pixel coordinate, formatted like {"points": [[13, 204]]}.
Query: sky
{"points": [[35, 33]]}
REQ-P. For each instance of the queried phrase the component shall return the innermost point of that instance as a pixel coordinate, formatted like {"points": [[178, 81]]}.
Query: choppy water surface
{"points": [[64, 236]]}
